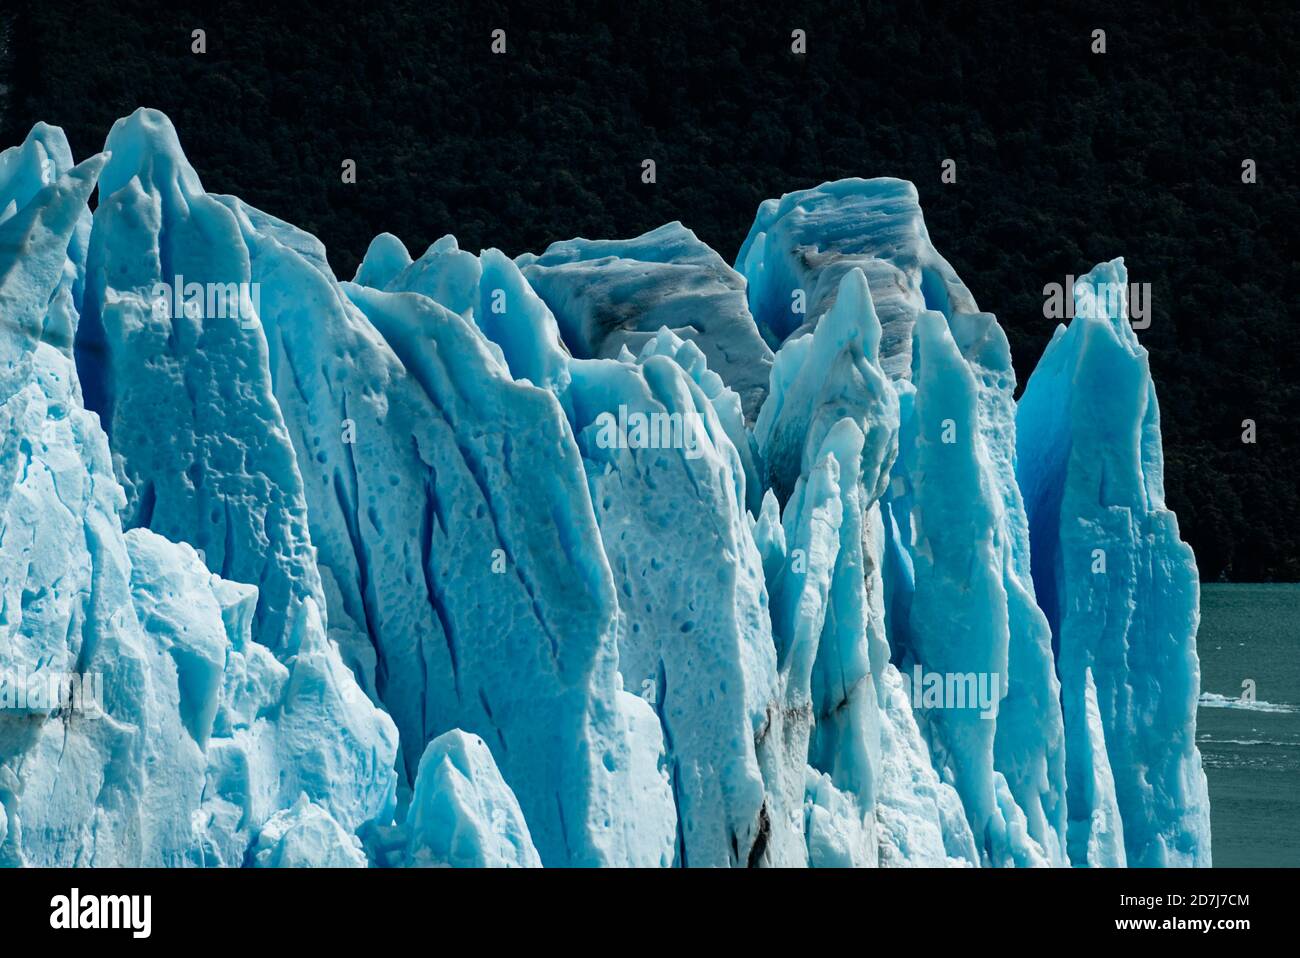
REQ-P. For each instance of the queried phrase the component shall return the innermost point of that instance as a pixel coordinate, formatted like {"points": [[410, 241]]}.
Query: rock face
{"points": [[612, 555]]}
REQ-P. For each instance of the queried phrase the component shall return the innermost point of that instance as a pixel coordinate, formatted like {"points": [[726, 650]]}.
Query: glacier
{"points": [[613, 554], [1119, 587]]}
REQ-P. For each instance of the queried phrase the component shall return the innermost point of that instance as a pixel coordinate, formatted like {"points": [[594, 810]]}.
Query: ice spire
{"points": [[1118, 586]]}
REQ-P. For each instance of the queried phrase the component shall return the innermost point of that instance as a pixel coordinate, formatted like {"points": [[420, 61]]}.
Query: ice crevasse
{"points": [[611, 555]]}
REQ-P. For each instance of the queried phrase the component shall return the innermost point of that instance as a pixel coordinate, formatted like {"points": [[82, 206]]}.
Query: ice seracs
{"points": [[462, 814], [201, 736], [612, 555], [1118, 586], [608, 294], [801, 245], [950, 368]]}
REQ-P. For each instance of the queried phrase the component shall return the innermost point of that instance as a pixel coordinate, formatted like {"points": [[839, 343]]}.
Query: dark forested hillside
{"points": [[1064, 157]]}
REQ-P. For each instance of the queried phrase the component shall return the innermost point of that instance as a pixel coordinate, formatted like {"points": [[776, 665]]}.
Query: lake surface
{"points": [[1251, 750]]}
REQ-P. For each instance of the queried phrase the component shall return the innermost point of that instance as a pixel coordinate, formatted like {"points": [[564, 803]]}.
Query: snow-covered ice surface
{"points": [[611, 555]]}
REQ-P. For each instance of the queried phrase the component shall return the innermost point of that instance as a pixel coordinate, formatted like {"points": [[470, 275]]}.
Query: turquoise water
{"points": [[1251, 750]]}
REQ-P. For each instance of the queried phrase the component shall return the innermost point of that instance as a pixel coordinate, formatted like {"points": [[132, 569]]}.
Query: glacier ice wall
{"points": [[696, 650], [1119, 587], [607, 555], [830, 394], [956, 595], [396, 426], [192, 737]]}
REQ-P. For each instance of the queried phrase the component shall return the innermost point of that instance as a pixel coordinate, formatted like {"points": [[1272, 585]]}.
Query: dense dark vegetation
{"points": [[1064, 157]]}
